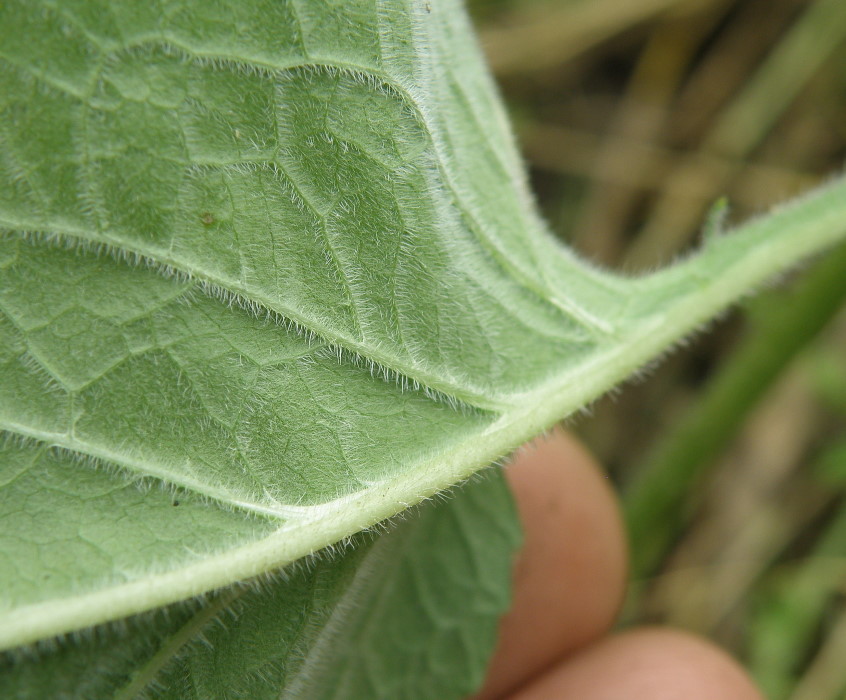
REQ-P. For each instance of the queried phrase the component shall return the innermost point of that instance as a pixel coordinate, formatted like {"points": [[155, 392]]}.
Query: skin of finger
{"points": [[570, 575], [653, 663]]}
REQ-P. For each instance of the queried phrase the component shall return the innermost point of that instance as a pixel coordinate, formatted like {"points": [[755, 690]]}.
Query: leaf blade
{"points": [[410, 613], [322, 239]]}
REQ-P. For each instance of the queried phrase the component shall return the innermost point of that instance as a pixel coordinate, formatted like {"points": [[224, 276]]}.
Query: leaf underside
{"points": [[409, 614], [269, 274]]}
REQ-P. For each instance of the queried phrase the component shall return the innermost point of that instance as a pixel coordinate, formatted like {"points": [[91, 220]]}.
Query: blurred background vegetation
{"points": [[637, 118]]}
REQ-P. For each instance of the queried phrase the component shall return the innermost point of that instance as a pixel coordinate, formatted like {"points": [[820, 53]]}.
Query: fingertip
{"points": [[654, 663]]}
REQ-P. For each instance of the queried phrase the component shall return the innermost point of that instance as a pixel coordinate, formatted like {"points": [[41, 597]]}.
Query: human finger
{"points": [[653, 663], [570, 575]]}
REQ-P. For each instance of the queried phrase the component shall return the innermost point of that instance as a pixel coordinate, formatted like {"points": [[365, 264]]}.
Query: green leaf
{"points": [[275, 264], [409, 614]]}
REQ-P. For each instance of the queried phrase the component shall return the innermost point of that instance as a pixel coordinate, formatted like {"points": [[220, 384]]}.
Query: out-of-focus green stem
{"points": [[655, 502]]}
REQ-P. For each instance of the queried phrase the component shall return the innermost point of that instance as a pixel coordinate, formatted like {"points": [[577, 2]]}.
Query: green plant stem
{"points": [[655, 503]]}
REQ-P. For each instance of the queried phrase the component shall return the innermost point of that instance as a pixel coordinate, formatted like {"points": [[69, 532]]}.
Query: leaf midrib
{"points": [[301, 537], [809, 225], [249, 299]]}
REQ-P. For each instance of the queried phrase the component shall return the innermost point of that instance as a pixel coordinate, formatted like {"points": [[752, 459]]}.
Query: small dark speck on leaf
{"points": [[176, 503], [207, 219]]}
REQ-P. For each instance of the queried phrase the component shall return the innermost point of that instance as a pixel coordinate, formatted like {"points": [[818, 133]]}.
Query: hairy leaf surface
{"points": [[270, 275], [408, 614]]}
